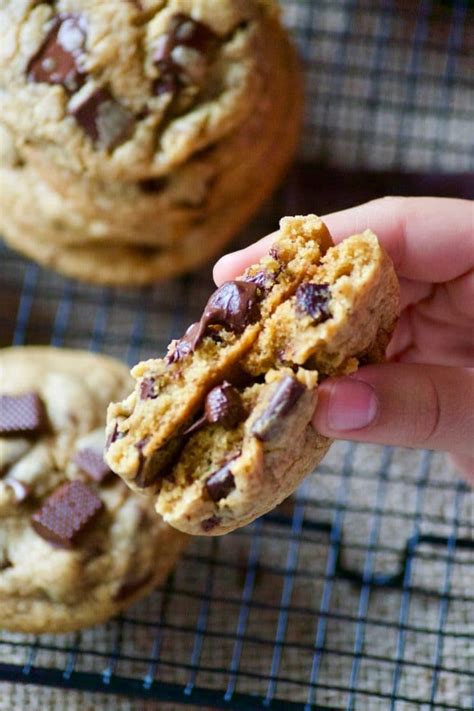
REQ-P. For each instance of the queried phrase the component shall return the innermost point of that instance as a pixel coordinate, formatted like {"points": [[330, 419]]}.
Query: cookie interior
{"points": [[325, 318]]}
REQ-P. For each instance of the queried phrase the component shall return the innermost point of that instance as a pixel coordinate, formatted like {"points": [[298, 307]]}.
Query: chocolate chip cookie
{"points": [[219, 431], [129, 104], [134, 144], [76, 546]]}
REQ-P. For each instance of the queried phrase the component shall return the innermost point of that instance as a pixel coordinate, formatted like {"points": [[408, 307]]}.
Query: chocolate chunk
{"points": [[21, 490], [286, 395], [210, 523], [314, 299], [167, 82], [220, 483], [140, 479], [262, 279], [22, 414], [91, 461], [234, 305], [170, 53], [66, 513], [153, 185], [59, 58], [103, 119], [114, 435], [224, 405], [148, 389], [192, 33], [130, 587], [185, 345]]}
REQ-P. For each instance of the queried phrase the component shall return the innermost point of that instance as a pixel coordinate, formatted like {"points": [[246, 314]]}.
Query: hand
{"points": [[423, 396]]}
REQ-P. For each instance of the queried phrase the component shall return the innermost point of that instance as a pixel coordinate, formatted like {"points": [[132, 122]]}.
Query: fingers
{"points": [[231, 265], [429, 239], [401, 404]]}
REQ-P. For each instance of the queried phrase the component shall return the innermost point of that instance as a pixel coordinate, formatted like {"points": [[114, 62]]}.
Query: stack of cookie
{"points": [[137, 136]]}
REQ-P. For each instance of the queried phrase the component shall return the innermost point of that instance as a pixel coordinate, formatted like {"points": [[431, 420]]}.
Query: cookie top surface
{"points": [[170, 80], [75, 544]]}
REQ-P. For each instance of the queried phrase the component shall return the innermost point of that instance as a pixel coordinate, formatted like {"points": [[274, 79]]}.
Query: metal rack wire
{"points": [[358, 593]]}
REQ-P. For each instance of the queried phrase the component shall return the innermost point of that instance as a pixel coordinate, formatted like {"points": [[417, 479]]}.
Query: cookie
{"points": [[76, 546], [219, 431], [170, 80], [137, 231]]}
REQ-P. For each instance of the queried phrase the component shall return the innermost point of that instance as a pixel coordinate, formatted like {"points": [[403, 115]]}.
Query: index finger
{"points": [[428, 239]]}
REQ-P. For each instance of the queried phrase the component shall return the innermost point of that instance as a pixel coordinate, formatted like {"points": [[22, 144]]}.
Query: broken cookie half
{"points": [[219, 431]]}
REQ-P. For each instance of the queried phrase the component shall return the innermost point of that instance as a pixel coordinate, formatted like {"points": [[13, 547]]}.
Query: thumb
{"points": [[403, 404]]}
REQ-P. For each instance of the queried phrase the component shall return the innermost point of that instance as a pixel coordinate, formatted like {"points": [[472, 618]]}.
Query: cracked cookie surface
{"points": [[219, 431], [76, 546]]}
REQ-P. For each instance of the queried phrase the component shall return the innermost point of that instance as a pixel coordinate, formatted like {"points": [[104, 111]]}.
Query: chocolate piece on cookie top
{"points": [[180, 55], [66, 513], [285, 397], [91, 462], [234, 306], [22, 414], [103, 118], [59, 59], [313, 299]]}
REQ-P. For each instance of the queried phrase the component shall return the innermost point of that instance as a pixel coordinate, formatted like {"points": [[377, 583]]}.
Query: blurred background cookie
{"points": [[75, 546], [173, 127]]}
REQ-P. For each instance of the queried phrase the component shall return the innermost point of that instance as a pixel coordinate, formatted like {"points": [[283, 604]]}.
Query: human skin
{"points": [[423, 396]]}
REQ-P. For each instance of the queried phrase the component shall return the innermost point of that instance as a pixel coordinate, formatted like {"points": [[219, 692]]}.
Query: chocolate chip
{"points": [[22, 414], [171, 58], [58, 60], [167, 83], [113, 436], [224, 405], [234, 306], [130, 587], [220, 483], [66, 513], [140, 480], [192, 33], [21, 490], [314, 299], [210, 523], [286, 395], [153, 185], [185, 345], [103, 119], [262, 279], [91, 461], [148, 389]]}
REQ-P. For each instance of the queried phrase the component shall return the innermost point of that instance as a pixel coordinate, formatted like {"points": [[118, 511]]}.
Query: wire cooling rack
{"points": [[357, 593]]}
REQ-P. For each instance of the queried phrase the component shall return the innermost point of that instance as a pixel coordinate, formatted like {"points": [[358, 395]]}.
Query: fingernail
{"points": [[352, 405]]}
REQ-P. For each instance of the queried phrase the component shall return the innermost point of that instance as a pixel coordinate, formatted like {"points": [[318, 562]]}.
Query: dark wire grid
{"points": [[176, 655]]}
